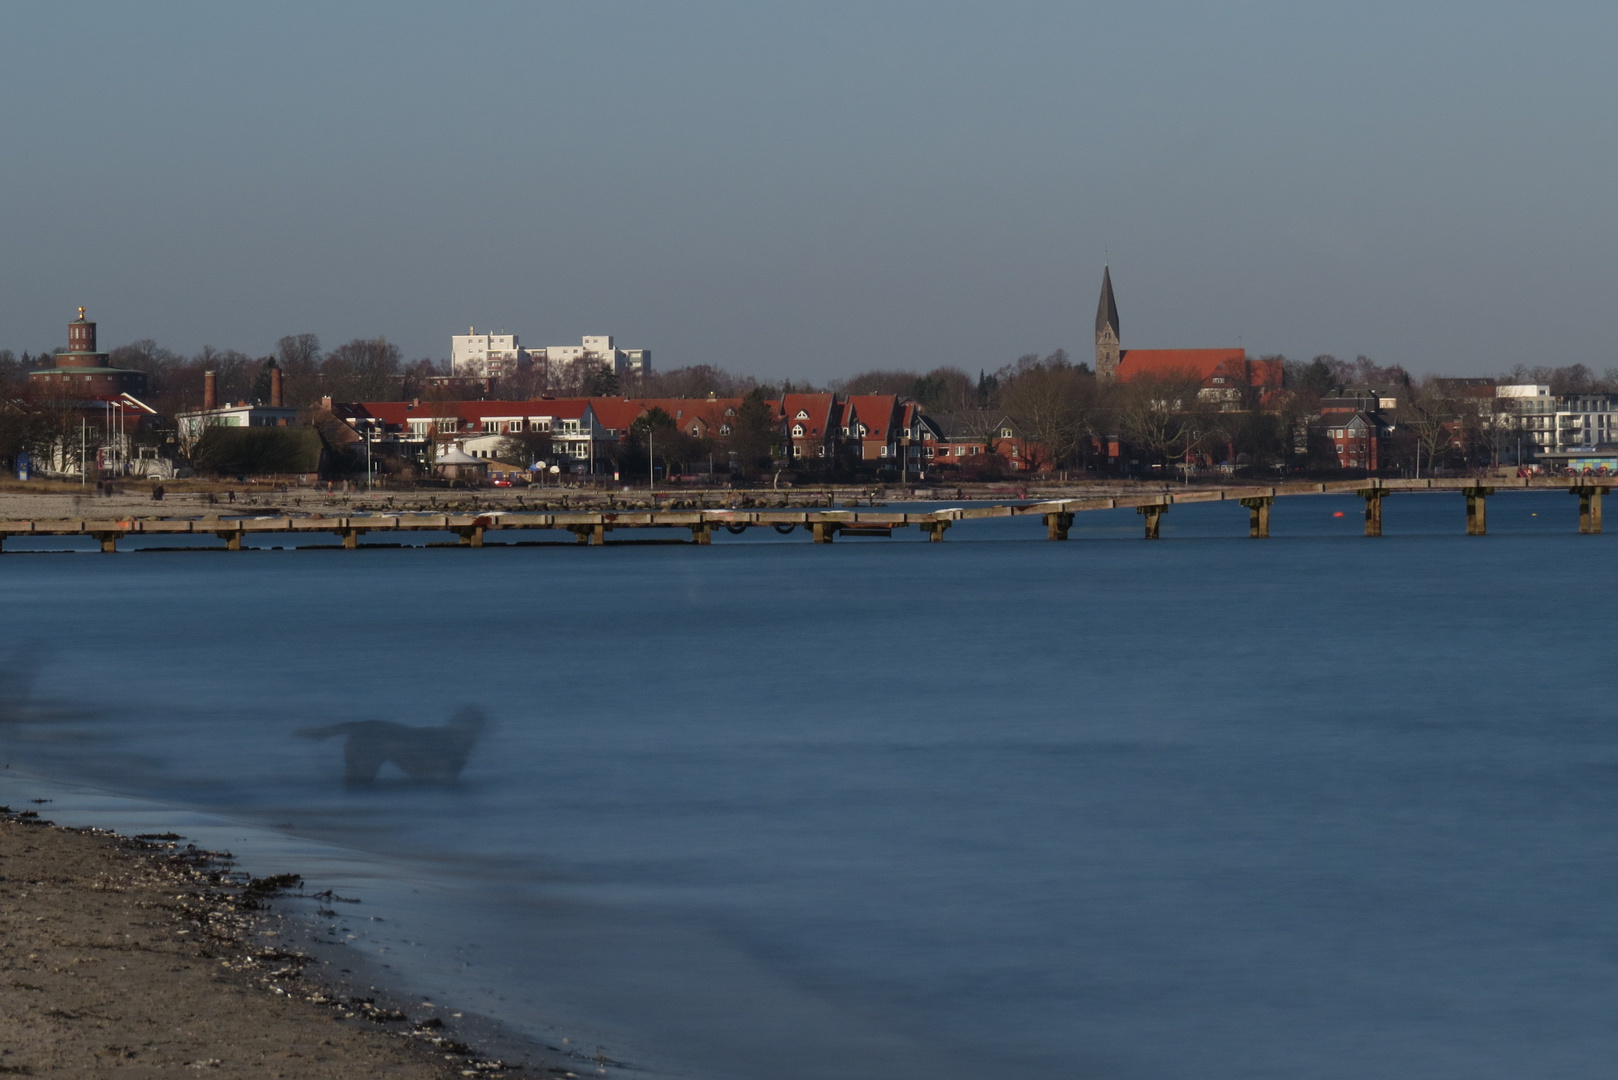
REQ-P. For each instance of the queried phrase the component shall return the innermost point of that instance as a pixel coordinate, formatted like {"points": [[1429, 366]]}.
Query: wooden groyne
{"points": [[593, 527]]}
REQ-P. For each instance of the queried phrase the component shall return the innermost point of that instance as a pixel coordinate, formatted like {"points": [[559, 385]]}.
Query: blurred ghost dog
{"points": [[421, 753]]}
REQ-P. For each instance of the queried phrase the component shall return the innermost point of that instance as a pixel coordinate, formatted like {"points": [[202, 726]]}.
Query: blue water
{"points": [[1318, 806]]}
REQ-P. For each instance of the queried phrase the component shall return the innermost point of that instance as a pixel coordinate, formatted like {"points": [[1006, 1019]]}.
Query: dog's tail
{"points": [[324, 732]]}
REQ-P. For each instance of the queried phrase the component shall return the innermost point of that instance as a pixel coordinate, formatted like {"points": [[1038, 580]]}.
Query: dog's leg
{"points": [[364, 758]]}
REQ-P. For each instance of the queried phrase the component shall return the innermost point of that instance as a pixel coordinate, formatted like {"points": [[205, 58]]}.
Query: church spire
{"points": [[1107, 351], [1107, 310]]}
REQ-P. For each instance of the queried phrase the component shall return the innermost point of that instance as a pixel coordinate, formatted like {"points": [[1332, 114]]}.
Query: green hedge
{"points": [[247, 451]]}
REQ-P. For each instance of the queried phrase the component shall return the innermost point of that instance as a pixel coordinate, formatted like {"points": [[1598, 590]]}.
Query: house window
{"points": [[797, 451], [797, 430], [802, 415], [724, 429], [1005, 433]]}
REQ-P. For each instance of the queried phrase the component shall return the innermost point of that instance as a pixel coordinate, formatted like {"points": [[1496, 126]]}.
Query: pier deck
{"points": [[593, 527]]}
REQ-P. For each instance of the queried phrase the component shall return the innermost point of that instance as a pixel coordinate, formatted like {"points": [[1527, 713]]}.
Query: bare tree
{"points": [[362, 370], [1162, 416], [299, 355], [1054, 403]]}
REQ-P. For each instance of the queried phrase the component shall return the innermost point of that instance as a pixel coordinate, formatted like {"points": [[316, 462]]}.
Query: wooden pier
{"points": [[593, 527]]}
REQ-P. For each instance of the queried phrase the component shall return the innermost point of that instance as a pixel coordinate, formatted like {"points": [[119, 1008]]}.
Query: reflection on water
{"points": [[1211, 807]]}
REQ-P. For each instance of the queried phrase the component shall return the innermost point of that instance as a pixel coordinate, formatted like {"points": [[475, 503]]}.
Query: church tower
{"points": [[1107, 351]]}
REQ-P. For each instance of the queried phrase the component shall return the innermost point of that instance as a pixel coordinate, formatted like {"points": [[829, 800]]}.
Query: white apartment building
{"points": [[566, 362], [1559, 424], [485, 356], [493, 356]]}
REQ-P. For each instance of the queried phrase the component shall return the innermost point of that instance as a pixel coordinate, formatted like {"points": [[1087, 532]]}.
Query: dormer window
{"points": [[724, 429], [802, 415], [797, 430]]}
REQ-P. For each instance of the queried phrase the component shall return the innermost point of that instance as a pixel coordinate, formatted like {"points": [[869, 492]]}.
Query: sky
{"points": [[813, 190]]}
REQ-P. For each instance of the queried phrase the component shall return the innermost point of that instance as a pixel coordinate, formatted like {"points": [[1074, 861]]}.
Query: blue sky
{"points": [[818, 189]]}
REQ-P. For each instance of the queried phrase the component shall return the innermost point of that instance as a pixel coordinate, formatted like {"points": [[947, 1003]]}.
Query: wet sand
{"points": [[142, 958]]}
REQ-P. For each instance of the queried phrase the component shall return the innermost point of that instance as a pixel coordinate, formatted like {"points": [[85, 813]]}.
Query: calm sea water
{"points": [[1210, 807]]}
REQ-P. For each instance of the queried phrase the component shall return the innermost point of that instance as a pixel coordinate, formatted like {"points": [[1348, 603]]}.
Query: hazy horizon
{"points": [[808, 193]]}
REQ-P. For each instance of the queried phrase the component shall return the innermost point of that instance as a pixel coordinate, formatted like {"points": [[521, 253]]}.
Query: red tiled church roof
{"points": [[1167, 363]]}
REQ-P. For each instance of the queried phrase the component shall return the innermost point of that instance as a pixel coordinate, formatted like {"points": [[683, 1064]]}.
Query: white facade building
{"points": [[1559, 424], [495, 356], [564, 363], [193, 425], [485, 356]]}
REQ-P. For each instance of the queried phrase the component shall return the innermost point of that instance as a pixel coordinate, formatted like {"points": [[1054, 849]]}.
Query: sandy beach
{"points": [[144, 957]]}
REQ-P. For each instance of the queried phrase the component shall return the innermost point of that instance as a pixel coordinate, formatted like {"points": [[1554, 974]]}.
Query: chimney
{"points": [[210, 390], [325, 403], [275, 388]]}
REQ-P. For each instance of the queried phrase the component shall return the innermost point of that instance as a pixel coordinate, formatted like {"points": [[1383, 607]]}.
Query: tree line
{"points": [[1066, 415]]}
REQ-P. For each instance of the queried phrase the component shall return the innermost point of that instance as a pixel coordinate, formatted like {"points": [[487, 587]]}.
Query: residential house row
{"points": [[1533, 428], [881, 431]]}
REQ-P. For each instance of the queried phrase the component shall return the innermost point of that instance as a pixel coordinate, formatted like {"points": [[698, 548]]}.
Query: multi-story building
{"points": [[1358, 439], [564, 364], [82, 372], [485, 356], [95, 406], [1556, 424], [501, 356]]}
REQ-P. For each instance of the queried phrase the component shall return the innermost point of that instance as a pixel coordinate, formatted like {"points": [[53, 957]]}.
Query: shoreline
{"points": [[150, 954]]}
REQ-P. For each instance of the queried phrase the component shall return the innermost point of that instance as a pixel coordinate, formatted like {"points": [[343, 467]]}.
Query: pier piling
{"points": [[1258, 516], [1153, 514], [1477, 514], [1589, 508], [1373, 510], [1056, 526]]}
